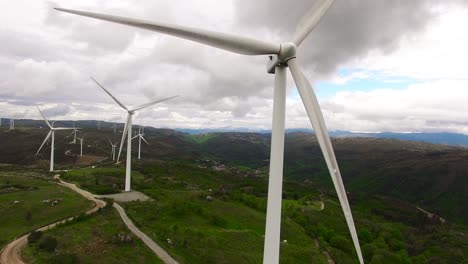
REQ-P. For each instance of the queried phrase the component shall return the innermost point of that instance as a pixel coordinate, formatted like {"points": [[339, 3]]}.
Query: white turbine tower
{"points": [[12, 124], [114, 146], [128, 131], [281, 56], [81, 139], [50, 134], [140, 137]]}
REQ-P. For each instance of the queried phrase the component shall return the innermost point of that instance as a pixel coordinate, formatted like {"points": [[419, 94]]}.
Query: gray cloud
{"points": [[350, 29], [52, 62]]}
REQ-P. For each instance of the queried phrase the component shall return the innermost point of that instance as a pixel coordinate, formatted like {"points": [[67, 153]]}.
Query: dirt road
{"points": [[162, 254]]}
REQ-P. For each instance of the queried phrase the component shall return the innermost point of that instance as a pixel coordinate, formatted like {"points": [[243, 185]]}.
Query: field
{"points": [[92, 239], [23, 204]]}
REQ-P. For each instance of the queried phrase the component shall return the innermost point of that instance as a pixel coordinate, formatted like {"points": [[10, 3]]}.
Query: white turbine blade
{"points": [[124, 133], [63, 128], [113, 97], [45, 119], [229, 42], [311, 19], [316, 118], [152, 103], [144, 139], [110, 141], [135, 137], [43, 142]]}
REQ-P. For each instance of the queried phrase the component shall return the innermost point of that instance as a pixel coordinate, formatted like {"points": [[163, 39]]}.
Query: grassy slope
{"points": [[93, 240], [12, 216], [229, 229]]}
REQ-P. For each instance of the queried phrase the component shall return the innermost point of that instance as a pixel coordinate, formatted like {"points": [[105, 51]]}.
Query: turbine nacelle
{"points": [[287, 52]]}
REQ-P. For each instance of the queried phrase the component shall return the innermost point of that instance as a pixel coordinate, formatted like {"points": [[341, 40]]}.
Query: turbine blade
{"points": [[316, 118], [45, 119], [113, 97], [144, 140], [63, 128], [311, 19], [110, 141], [43, 142], [152, 103], [124, 133], [229, 42]]}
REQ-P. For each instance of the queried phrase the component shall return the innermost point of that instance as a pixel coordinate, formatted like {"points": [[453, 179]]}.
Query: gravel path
{"points": [[162, 254]]}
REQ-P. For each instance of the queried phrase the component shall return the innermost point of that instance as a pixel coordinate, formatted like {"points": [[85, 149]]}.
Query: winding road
{"points": [[11, 253]]}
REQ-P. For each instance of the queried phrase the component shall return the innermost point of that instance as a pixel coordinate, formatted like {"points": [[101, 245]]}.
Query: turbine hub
{"points": [[287, 51]]}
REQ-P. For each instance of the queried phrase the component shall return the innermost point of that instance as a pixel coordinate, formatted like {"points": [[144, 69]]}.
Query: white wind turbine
{"points": [[281, 56], [75, 130], [12, 124], [115, 127], [114, 146], [50, 134], [140, 137], [128, 131], [81, 139]]}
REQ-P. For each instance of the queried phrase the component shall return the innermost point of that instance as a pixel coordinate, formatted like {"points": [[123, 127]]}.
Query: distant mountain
{"points": [[444, 138]]}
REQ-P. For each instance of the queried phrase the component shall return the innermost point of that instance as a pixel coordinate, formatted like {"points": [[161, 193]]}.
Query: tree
{"points": [[28, 216], [47, 243], [34, 236]]}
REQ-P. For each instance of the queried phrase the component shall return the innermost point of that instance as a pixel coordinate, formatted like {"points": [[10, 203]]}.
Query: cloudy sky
{"points": [[376, 65]]}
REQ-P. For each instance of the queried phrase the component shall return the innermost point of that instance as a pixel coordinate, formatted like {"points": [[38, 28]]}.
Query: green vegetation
{"points": [[27, 202], [210, 193], [202, 138], [99, 238], [101, 180]]}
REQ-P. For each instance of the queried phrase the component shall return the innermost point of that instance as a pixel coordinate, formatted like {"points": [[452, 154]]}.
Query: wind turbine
{"points": [[128, 131], [12, 124], [140, 137], [51, 133], [81, 139], [75, 130], [114, 146], [281, 56], [115, 127]]}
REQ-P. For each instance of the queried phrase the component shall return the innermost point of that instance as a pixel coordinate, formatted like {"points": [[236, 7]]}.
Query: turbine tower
{"points": [[114, 146], [81, 139], [281, 56], [12, 125], [50, 134], [140, 137], [128, 131]]}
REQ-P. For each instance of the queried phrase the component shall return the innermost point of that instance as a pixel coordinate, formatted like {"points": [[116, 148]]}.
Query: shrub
{"points": [[341, 243], [47, 243], [34, 236], [64, 259]]}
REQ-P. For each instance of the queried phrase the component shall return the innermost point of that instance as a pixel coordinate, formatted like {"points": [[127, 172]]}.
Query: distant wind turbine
{"points": [[50, 134], [128, 131], [140, 137], [114, 146], [115, 127], [12, 124], [281, 56], [75, 130], [81, 139]]}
